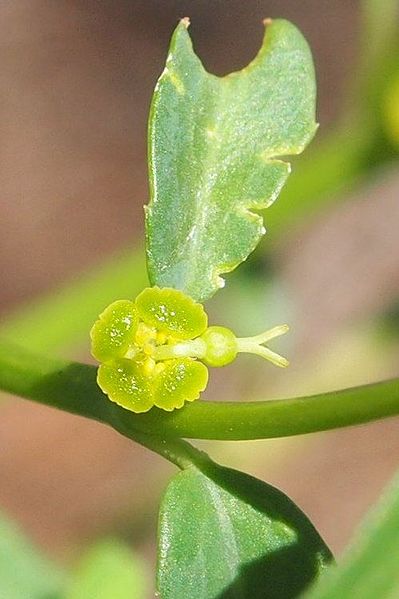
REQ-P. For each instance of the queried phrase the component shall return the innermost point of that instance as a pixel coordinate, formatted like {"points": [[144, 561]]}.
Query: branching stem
{"points": [[72, 387]]}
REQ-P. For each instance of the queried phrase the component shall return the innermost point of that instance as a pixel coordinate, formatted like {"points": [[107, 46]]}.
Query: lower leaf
{"points": [[226, 535]]}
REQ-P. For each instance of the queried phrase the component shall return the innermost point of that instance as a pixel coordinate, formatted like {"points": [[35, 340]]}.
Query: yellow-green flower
{"points": [[152, 351]]}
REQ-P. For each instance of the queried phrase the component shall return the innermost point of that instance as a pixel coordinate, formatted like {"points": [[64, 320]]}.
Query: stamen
{"points": [[131, 352], [149, 366], [144, 334], [148, 349], [161, 338]]}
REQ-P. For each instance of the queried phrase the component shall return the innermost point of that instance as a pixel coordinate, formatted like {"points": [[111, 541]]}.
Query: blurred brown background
{"points": [[76, 81]]}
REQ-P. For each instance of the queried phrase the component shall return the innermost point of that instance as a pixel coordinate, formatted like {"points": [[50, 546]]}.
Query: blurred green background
{"points": [[76, 80]]}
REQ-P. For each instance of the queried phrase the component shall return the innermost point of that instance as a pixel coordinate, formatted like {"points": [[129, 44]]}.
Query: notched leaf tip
{"points": [[185, 21]]}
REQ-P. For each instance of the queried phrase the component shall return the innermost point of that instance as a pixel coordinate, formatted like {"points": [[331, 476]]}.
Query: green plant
{"points": [[216, 148]]}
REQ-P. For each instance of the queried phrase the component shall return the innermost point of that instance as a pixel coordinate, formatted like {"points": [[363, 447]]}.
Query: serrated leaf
{"points": [[109, 570], [226, 535], [215, 148], [24, 572], [370, 568]]}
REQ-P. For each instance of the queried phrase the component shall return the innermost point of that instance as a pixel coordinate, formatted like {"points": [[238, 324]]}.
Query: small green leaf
{"points": [[171, 312], [226, 535], [215, 148], [24, 572], [110, 570], [370, 568]]}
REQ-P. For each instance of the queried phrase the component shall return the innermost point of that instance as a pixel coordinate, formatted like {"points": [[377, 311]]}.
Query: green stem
{"points": [[179, 452], [72, 387]]}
